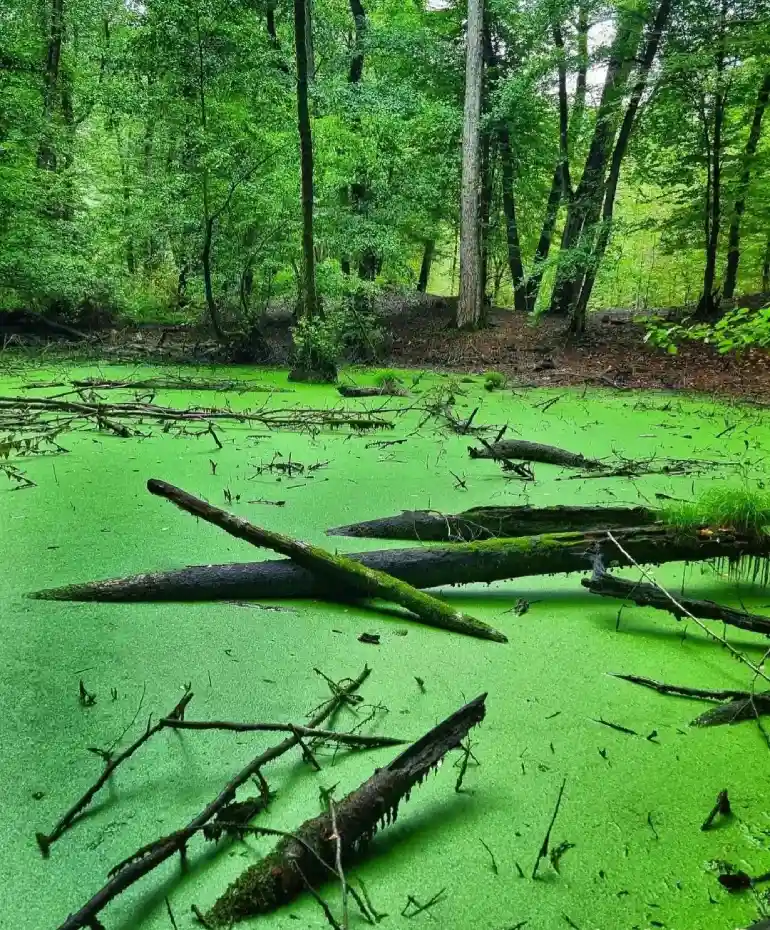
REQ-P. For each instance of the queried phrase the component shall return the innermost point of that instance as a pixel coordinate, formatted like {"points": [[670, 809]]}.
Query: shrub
{"points": [[493, 380]]}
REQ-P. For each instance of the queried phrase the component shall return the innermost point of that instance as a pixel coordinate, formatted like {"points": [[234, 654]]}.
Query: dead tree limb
{"points": [[46, 840], [433, 566], [310, 853], [335, 569], [647, 595], [154, 854], [496, 522]]}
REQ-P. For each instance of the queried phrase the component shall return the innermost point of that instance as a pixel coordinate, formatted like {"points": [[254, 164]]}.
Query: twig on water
{"points": [[543, 852], [45, 841], [722, 806], [491, 856], [156, 853], [355, 740], [710, 633], [417, 908], [338, 863]]}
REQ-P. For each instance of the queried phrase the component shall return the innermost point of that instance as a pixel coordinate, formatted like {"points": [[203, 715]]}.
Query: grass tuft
{"points": [[742, 509]]}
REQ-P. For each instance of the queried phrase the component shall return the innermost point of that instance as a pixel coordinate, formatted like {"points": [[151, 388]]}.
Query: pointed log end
{"points": [[73, 592], [350, 530]]}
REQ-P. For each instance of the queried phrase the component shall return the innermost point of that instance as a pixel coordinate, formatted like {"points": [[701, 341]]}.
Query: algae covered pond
{"points": [[639, 781]]}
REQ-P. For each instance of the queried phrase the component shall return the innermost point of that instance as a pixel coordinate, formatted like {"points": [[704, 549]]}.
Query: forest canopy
{"points": [[155, 164]]}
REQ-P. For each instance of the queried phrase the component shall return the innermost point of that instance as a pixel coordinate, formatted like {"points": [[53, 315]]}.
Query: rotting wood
{"points": [[532, 452], [390, 390], [647, 595], [432, 566], [337, 570], [734, 706], [32, 409], [309, 855], [495, 522], [154, 854]]}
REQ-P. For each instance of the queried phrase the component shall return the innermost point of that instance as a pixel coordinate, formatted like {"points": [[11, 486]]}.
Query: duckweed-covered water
{"points": [[633, 804]]}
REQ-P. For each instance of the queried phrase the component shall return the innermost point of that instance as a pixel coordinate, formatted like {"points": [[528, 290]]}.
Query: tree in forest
{"points": [[713, 89], [471, 296], [301, 32]]}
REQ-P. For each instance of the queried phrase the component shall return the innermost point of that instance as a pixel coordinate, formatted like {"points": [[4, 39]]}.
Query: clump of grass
{"points": [[494, 380], [388, 380], [742, 509]]}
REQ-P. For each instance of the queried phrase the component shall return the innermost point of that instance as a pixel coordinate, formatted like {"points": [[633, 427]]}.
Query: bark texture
{"points": [[427, 567], [470, 300]]}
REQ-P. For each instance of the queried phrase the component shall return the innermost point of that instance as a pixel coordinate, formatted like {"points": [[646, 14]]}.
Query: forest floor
{"points": [[612, 352]]}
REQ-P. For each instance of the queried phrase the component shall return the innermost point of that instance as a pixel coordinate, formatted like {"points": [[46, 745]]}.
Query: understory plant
{"points": [[737, 331]]}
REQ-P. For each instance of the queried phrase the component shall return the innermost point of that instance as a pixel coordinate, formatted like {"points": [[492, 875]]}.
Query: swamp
{"points": [[384, 497]]}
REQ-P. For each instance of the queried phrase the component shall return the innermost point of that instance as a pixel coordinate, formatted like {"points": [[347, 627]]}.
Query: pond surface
{"points": [[632, 805]]}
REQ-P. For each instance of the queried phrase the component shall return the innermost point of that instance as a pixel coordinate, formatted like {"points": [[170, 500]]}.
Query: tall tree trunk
{"points": [[427, 261], [469, 303], [357, 194], [561, 185], [208, 219], [766, 268], [585, 205], [301, 28], [708, 305], [733, 248], [630, 118], [46, 154], [515, 262]]}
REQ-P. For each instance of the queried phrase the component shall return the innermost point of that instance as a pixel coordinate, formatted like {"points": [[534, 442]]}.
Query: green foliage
{"points": [[494, 380], [388, 379], [169, 132], [742, 509], [737, 331]]}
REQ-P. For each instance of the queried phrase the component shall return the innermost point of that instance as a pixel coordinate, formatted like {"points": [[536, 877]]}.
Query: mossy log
{"points": [[496, 522], [427, 566], [310, 855], [336, 570], [647, 595], [355, 390], [525, 451]]}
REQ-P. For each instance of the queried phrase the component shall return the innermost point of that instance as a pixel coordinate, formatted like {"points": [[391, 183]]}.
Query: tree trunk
{"points": [[46, 154], [344, 573], [586, 202], [496, 523], [561, 185], [427, 261], [208, 219], [708, 305], [301, 28], [515, 262], [469, 303], [424, 566], [652, 45], [733, 248]]}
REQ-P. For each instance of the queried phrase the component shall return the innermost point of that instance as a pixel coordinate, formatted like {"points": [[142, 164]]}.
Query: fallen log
{"points": [[496, 522], [322, 845], [431, 567], [336, 570], [355, 390], [525, 451], [647, 595], [733, 706]]}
